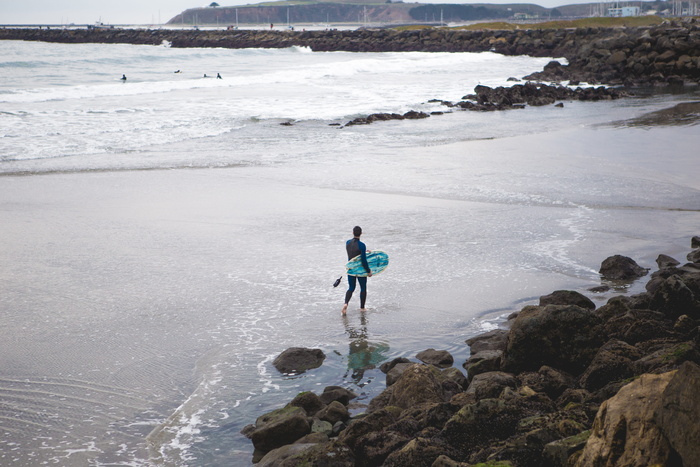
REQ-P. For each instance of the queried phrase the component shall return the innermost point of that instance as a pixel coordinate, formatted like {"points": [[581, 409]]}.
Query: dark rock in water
{"points": [[694, 256], [439, 358], [412, 114], [664, 261], [695, 242], [621, 268], [567, 297], [280, 427], [298, 359], [492, 340], [599, 289], [385, 367], [563, 337], [337, 393], [396, 371]]}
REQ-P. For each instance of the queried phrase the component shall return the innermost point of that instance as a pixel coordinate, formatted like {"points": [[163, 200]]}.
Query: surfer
{"points": [[355, 247], [123, 78], [218, 76]]}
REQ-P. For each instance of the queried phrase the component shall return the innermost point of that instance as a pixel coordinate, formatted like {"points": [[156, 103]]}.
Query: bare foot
{"points": [[363, 309], [345, 309]]}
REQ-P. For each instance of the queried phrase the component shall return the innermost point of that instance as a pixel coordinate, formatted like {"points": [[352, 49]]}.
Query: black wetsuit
{"points": [[355, 248]]}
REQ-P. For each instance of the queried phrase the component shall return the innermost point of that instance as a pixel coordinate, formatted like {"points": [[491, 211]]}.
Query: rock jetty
{"points": [[668, 53], [562, 384]]}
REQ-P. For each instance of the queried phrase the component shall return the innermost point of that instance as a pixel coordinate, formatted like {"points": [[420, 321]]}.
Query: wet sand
{"points": [[125, 293]]}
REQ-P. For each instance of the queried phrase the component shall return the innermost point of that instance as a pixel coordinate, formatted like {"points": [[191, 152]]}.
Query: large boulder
{"points": [[492, 340], [439, 358], [296, 360], [680, 412], [280, 427], [396, 371], [417, 385], [651, 421], [620, 267], [613, 362], [567, 297], [562, 337], [665, 261]]}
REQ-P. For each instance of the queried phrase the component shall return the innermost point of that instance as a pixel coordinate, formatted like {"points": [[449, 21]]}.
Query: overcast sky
{"points": [[138, 11]]}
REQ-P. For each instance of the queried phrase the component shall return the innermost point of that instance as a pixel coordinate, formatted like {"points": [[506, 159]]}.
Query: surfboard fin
{"points": [[337, 281]]}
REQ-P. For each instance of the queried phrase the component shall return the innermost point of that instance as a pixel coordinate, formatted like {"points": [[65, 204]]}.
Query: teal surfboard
{"points": [[377, 260]]}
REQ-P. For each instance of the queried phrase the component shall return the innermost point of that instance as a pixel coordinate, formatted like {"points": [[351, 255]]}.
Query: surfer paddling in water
{"points": [[355, 248]]}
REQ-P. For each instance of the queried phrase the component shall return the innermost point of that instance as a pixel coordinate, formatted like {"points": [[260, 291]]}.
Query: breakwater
{"points": [[664, 54]]}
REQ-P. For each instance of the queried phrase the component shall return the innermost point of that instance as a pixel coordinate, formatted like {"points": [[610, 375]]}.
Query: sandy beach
{"points": [[127, 293]]}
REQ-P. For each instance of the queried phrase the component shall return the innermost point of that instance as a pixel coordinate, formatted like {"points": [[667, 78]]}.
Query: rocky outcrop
{"points": [[651, 421], [566, 384]]}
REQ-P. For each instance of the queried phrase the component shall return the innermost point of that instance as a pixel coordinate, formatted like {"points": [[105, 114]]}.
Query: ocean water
{"points": [[162, 239]]}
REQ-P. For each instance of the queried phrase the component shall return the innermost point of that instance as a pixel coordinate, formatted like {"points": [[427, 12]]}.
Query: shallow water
{"points": [[147, 285]]}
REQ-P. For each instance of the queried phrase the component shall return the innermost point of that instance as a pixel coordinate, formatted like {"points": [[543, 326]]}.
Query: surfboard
{"points": [[377, 261]]}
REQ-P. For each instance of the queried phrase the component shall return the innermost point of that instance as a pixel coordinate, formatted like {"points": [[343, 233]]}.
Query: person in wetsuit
{"points": [[354, 248]]}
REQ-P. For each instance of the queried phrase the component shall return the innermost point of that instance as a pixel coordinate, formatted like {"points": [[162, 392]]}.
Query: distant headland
{"points": [[391, 12]]}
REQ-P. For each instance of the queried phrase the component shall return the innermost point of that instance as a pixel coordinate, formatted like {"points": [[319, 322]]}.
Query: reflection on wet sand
{"points": [[363, 354], [686, 113]]}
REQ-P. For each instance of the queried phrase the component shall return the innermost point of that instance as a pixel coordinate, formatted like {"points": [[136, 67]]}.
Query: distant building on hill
{"points": [[623, 11]]}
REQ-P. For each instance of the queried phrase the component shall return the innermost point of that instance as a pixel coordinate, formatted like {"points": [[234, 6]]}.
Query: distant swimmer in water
{"points": [[123, 78], [218, 76], [178, 71]]}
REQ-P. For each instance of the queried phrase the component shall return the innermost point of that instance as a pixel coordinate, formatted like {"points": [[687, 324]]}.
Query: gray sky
{"points": [[137, 11]]}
